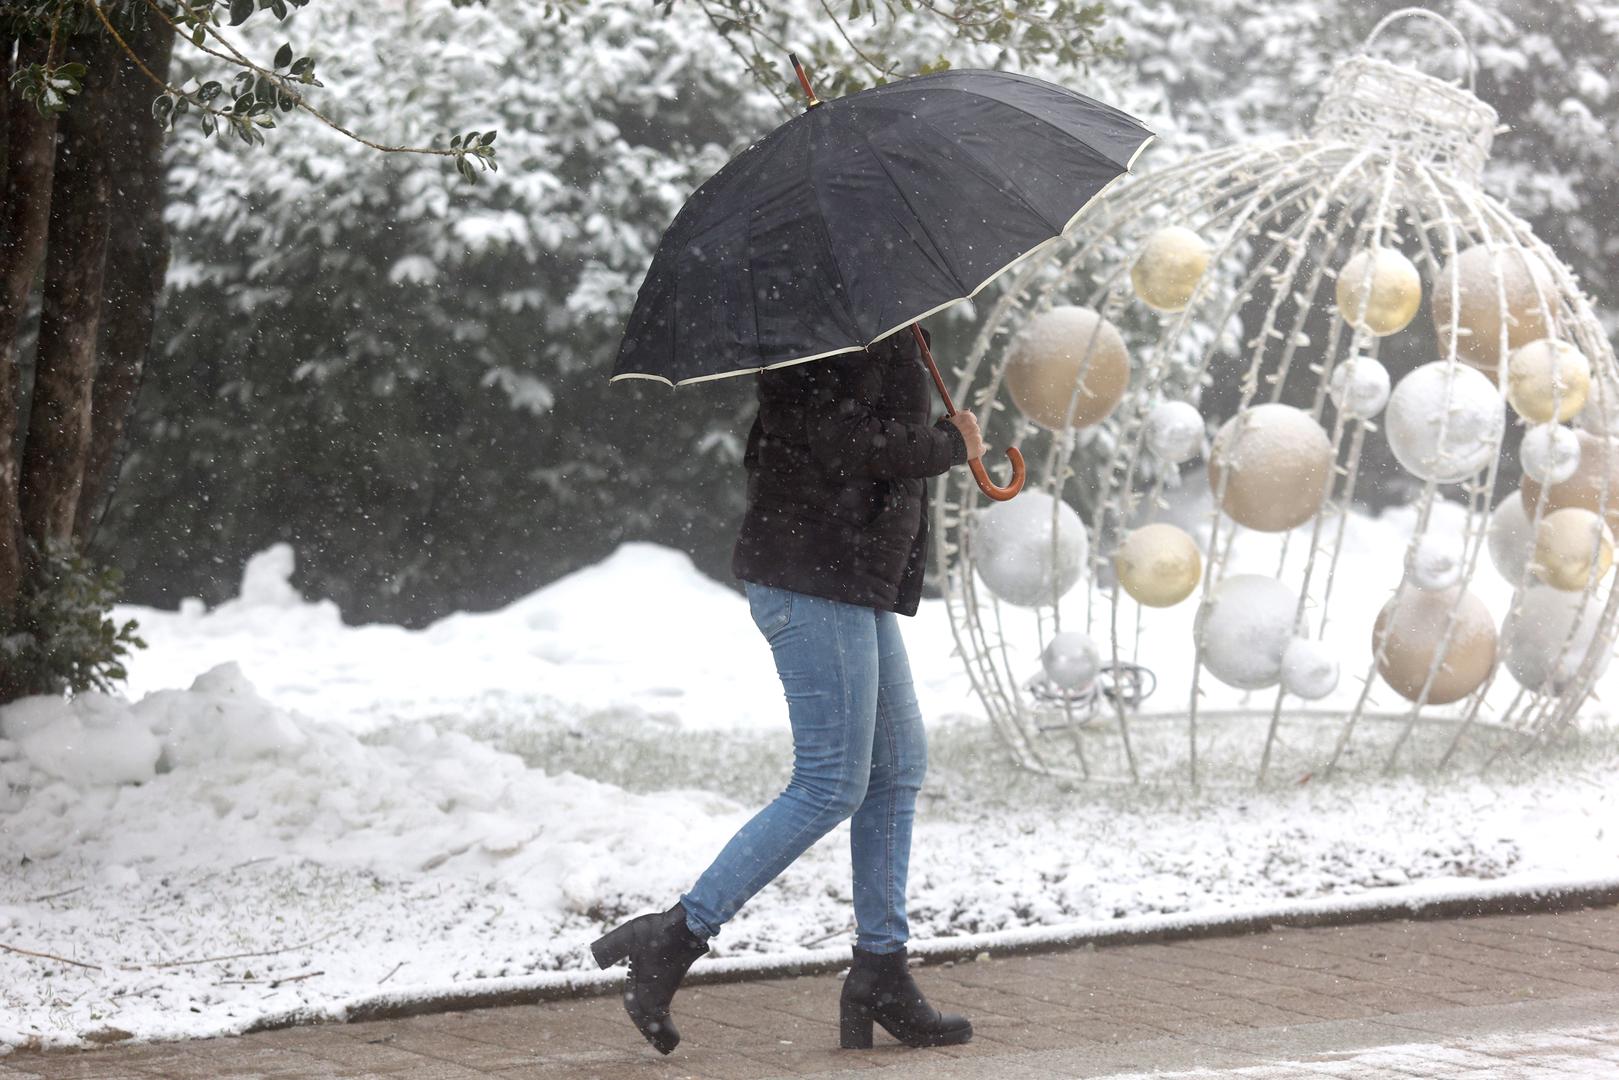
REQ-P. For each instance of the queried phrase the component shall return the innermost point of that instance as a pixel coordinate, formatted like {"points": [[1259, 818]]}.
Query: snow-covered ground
{"points": [[286, 814]]}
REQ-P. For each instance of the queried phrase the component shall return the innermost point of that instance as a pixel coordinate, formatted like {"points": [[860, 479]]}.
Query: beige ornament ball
{"points": [[1525, 298], [1573, 549], [1068, 357], [1547, 381], [1158, 565], [1598, 468], [1408, 636], [1379, 290], [1276, 464], [1169, 267]]}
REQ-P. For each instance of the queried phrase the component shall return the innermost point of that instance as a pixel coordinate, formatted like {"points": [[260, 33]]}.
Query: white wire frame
{"points": [[1276, 216]]}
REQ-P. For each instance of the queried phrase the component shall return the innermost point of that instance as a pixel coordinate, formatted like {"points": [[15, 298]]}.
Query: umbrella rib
{"points": [[921, 222]]}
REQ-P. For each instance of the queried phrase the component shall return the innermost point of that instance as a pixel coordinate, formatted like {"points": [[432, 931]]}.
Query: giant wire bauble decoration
{"points": [[1389, 172]]}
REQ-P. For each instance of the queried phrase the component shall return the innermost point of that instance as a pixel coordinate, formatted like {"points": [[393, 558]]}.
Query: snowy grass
{"points": [[354, 812]]}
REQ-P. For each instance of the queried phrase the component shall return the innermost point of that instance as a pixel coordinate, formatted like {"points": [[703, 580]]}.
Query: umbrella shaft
{"points": [[933, 369]]}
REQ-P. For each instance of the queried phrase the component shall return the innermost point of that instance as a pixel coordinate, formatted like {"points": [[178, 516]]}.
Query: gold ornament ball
{"points": [[1523, 301], [1547, 381], [1158, 565], [1573, 549], [1169, 267], [1279, 462], [1391, 286], [1065, 352], [1407, 637], [1598, 468]]}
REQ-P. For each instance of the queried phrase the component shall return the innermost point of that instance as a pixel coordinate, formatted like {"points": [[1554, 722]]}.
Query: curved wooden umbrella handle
{"points": [[988, 486], [981, 474]]}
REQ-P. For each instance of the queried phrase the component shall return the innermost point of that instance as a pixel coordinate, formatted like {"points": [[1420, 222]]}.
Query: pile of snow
{"points": [[642, 630], [210, 823]]}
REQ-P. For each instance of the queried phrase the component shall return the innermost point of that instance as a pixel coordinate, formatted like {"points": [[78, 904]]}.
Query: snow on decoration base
{"points": [[345, 812]]}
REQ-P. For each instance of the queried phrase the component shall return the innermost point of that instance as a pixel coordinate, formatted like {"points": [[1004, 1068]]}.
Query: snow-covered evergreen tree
{"points": [[405, 375]]}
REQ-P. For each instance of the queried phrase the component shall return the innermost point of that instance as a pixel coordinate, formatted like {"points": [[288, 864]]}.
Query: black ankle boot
{"points": [[660, 948], [880, 988]]}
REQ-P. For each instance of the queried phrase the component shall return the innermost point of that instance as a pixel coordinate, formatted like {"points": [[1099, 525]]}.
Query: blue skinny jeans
{"points": [[859, 754]]}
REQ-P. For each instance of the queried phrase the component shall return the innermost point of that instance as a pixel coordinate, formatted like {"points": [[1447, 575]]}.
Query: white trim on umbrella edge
{"points": [[1103, 190]]}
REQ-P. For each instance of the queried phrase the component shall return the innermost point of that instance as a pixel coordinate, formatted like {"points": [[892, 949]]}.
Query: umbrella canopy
{"points": [[865, 214]]}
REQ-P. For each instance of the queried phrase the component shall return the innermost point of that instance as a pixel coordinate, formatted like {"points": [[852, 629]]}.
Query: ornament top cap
{"points": [[1375, 102]]}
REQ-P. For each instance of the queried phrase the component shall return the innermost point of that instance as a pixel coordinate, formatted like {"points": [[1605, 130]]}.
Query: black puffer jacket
{"points": [[837, 463]]}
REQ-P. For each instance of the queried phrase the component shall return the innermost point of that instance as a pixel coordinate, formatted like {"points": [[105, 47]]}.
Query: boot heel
{"points": [[854, 1027], [613, 946]]}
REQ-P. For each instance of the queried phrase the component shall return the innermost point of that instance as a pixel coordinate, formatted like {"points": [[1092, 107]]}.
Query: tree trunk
{"points": [[70, 310], [30, 152], [137, 261]]}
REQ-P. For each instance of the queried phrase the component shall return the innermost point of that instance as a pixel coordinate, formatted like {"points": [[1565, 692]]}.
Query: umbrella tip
{"points": [[803, 80]]}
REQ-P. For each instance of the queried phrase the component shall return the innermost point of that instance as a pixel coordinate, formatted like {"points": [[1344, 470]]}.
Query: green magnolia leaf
{"points": [[283, 56], [240, 10]]}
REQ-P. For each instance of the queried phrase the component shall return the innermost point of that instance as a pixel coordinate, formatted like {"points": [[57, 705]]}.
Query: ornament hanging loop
{"points": [[1471, 66]]}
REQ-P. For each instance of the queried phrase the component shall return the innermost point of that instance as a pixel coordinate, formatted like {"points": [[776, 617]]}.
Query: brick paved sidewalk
{"points": [[1497, 997]]}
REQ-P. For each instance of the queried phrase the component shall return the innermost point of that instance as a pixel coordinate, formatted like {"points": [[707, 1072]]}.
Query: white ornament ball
{"points": [[1245, 629], [1601, 413], [1550, 453], [1071, 660], [1167, 271], [1309, 669], [1175, 431], [1014, 552], [1445, 422], [1360, 387], [1546, 636], [1511, 540], [1438, 562], [1379, 291]]}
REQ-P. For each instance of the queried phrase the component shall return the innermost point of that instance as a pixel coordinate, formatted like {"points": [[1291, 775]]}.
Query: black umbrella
{"points": [[866, 214]]}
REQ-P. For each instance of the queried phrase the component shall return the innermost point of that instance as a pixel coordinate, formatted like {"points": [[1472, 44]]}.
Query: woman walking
{"points": [[830, 551]]}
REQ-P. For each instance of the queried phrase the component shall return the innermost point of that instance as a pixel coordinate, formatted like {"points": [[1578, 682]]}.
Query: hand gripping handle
{"points": [[981, 474]]}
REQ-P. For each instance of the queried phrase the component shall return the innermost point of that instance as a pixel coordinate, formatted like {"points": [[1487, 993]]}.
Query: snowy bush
{"points": [[61, 638]]}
